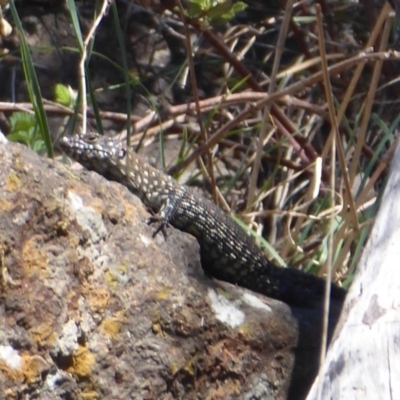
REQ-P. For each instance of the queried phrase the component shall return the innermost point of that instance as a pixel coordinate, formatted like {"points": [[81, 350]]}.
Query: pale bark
{"points": [[363, 361]]}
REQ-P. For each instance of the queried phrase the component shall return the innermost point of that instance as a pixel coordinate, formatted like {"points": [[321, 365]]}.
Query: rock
{"points": [[93, 307]]}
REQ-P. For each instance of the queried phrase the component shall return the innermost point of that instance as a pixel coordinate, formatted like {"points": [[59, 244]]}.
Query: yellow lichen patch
{"points": [[13, 182], [157, 329], [35, 261], [111, 278], [123, 267], [163, 294], [19, 163], [111, 327], [222, 292], [43, 334], [188, 366], [83, 361], [246, 330], [61, 226], [175, 368], [67, 170], [56, 214]]}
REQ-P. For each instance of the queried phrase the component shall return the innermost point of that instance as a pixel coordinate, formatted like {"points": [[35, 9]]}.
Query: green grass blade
{"points": [[75, 23], [35, 94], [125, 70]]}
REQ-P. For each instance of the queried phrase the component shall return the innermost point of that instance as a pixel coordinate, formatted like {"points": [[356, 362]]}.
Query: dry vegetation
{"points": [[292, 131]]}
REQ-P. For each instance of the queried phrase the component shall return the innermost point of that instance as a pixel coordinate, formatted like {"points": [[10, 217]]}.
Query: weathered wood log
{"points": [[363, 361]]}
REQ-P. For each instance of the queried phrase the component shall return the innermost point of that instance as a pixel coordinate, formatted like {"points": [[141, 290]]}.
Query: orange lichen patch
{"points": [[231, 388], [11, 373], [32, 368], [111, 327], [43, 334], [78, 194], [74, 240], [75, 188], [6, 205], [97, 298], [34, 259], [97, 205], [83, 361], [131, 212], [13, 182], [90, 395]]}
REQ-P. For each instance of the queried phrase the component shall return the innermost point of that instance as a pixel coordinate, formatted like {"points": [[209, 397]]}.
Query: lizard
{"points": [[227, 252]]}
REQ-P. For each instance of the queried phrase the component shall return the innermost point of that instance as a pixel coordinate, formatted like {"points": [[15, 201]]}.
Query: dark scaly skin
{"points": [[227, 252]]}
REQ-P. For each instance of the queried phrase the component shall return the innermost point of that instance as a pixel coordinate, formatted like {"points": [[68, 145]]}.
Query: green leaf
{"points": [[195, 8], [22, 121], [25, 129], [213, 11], [20, 137], [65, 95], [220, 10], [38, 146], [238, 7]]}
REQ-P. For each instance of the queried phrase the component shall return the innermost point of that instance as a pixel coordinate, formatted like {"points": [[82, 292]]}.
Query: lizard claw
{"points": [[162, 224]]}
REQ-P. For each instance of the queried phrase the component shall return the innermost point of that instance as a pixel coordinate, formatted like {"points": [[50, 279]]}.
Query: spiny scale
{"points": [[227, 252]]}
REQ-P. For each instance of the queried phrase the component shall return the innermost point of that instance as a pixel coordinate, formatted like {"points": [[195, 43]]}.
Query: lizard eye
{"points": [[91, 137], [121, 153]]}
